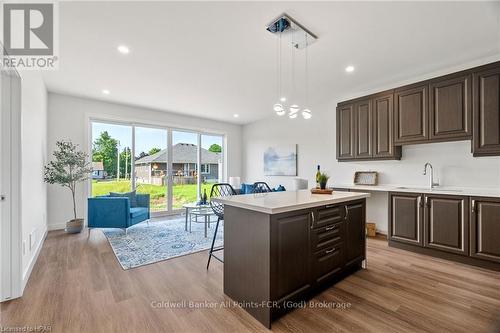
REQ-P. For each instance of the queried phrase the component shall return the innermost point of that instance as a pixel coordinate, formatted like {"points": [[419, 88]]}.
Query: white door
{"points": [[10, 229]]}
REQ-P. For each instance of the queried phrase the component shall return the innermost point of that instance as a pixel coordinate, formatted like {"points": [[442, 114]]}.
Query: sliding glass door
{"points": [[211, 164], [173, 166], [184, 168], [151, 166], [111, 158]]}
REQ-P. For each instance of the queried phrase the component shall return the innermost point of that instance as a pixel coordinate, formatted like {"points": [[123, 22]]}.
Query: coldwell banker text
{"points": [[29, 36]]}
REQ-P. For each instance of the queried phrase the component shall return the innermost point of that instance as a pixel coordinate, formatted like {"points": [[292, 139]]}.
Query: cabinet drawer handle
{"points": [[329, 206], [330, 251], [473, 206], [346, 213], [312, 219], [331, 227]]}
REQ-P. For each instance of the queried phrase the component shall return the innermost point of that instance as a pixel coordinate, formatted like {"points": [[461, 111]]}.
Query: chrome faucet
{"points": [[431, 176]]}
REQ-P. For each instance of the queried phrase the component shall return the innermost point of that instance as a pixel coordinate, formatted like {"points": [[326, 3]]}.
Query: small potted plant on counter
{"points": [[68, 168], [323, 180]]}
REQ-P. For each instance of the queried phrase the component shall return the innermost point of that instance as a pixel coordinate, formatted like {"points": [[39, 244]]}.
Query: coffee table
{"points": [[188, 207], [206, 213]]}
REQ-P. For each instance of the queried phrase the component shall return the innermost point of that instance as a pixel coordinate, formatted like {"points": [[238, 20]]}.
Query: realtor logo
{"points": [[28, 29], [30, 35]]}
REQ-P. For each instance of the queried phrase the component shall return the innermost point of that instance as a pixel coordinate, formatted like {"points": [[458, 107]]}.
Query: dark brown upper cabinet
{"points": [[363, 128], [486, 109], [450, 108], [345, 132], [411, 115], [460, 106], [383, 134], [485, 229], [446, 223], [406, 218]]}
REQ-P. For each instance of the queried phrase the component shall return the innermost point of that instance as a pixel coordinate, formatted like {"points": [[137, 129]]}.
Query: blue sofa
{"points": [[116, 212]]}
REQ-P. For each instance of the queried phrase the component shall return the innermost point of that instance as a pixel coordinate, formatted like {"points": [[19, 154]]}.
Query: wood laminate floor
{"points": [[77, 285]]}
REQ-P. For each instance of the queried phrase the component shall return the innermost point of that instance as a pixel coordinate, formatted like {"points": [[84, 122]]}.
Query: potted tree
{"points": [[68, 168]]}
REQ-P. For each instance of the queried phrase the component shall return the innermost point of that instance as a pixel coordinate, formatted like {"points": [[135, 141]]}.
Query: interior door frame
{"points": [[11, 284], [133, 123]]}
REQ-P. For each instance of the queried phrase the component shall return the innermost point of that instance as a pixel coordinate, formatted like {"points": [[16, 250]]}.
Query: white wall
{"points": [[34, 153], [453, 162], [68, 119]]}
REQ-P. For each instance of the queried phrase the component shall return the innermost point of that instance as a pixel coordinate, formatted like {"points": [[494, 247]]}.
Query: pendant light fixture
{"points": [[300, 38], [278, 107], [306, 112]]}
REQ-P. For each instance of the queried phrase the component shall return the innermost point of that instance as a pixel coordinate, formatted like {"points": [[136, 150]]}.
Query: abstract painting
{"points": [[280, 161]]}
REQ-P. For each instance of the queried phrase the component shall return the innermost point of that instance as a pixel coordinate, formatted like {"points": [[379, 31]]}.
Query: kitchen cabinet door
{"points": [[411, 115], [355, 229], [383, 128], [345, 132], [363, 128], [291, 248], [406, 218], [485, 229], [450, 108], [486, 111], [446, 226]]}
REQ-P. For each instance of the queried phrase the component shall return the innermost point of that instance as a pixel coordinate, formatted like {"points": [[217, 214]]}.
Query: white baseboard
{"points": [[27, 273], [58, 226]]}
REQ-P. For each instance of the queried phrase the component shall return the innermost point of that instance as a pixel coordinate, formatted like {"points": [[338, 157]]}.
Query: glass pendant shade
{"points": [[294, 108], [306, 114], [279, 109]]}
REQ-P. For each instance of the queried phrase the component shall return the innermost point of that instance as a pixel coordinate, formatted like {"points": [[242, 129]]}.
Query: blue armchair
{"points": [[115, 212]]}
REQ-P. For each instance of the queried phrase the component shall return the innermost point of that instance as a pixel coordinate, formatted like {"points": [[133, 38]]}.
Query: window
{"points": [[205, 169], [174, 167]]}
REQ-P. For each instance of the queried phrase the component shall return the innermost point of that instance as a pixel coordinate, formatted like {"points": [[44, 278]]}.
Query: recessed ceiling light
{"points": [[236, 115], [349, 69], [123, 49], [106, 92]]}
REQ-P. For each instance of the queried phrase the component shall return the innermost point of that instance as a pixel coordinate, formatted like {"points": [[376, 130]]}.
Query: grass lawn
{"points": [[182, 194]]}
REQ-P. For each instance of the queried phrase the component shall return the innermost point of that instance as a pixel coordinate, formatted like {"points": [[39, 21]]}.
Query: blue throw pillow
{"points": [[246, 188], [130, 195]]}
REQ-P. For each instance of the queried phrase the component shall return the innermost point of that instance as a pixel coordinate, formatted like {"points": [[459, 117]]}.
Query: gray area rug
{"points": [[160, 240]]}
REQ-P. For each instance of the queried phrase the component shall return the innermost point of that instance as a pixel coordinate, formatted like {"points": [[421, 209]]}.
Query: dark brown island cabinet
{"points": [[275, 261], [460, 228], [459, 106]]}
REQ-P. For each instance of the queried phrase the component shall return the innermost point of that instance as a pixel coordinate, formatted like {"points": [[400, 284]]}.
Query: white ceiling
{"points": [[213, 59]]}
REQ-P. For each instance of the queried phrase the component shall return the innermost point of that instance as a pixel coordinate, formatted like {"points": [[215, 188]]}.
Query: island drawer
{"points": [[329, 214], [327, 262], [327, 236]]}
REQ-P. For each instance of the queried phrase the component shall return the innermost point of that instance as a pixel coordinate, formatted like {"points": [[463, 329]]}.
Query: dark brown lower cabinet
{"points": [[355, 233], [405, 211], [453, 227], [485, 229], [446, 223], [291, 241]]}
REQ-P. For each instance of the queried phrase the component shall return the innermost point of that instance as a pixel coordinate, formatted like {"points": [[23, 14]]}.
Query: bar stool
{"points": [[261, 187], [218, 190]]}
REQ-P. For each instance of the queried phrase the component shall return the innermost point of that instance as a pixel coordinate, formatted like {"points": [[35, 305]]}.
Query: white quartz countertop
{"points": [[464, 191], [281, 202]]}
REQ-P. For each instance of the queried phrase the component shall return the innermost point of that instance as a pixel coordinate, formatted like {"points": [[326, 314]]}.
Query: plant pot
{"points": [[322, 186], [74, 226]]}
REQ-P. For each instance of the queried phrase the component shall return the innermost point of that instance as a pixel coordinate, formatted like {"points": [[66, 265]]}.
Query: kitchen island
{"points": [[281, 248]]}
